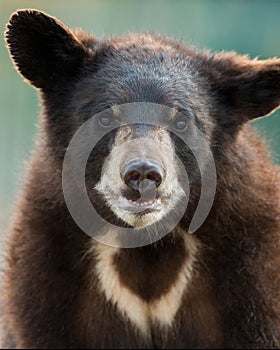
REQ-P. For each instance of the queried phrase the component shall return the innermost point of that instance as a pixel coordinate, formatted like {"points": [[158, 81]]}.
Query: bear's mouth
{"points": [[139, 205]]}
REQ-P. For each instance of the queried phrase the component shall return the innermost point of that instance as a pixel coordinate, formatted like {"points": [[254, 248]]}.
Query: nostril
{"points": [[132, 179], [155, 177], [133, 175]]}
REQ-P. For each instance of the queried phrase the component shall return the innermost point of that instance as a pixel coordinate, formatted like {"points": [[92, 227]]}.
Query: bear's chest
{"points": [[146, 287]]}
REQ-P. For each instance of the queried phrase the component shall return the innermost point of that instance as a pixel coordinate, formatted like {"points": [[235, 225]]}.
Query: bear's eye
{"points": [[106, 120], [181, 124]]}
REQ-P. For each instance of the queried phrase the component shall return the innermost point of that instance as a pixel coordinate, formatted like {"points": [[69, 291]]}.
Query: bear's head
{"points": [[133, 173]]}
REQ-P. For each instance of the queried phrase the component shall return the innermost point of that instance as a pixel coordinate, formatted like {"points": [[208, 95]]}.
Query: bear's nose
{"points": [[138, 170]]}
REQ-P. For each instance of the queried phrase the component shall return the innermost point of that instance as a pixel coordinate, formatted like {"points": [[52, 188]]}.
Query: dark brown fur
{"points": [[52, 298]]}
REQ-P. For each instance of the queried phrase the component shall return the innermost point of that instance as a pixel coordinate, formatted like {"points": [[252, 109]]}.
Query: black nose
{"points": [[137, 170]]}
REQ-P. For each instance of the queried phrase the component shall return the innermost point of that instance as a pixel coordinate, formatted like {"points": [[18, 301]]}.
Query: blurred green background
{"points": [[251, 26]]}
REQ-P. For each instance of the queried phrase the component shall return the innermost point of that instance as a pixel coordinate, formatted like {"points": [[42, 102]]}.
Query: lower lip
{"points": [[139, 206]]}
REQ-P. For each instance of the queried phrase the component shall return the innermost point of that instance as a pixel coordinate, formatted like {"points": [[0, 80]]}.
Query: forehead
{"points": [[140, 74]]}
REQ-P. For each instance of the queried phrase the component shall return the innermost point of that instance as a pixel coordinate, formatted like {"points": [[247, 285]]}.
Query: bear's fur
{"points": [[217, 288]]}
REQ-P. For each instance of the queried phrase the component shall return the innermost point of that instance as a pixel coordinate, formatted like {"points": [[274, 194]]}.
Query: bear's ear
{"points": [[43, 49], [249, 88]]}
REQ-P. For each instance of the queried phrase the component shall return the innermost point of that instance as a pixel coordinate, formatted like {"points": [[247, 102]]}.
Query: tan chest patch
{"points": [[141, 313]]}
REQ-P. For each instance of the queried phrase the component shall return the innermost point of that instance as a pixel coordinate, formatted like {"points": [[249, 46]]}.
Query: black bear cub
{"points": [[217, 286]]}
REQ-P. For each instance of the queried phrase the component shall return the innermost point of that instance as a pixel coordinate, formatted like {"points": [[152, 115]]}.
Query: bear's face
{"points": [[139, 180], [134, 167]]}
